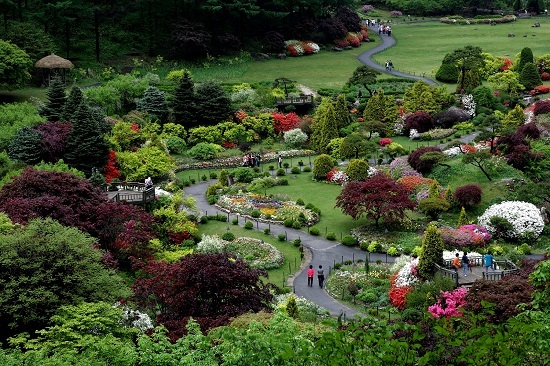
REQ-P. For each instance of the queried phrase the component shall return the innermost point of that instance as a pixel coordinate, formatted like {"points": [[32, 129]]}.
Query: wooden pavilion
{"points": [[52, 66]]}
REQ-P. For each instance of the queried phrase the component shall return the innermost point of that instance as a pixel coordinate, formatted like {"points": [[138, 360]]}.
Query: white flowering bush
{"points": [[295, 137], [408, 274], [372, 171], [414, 134], [524, 217], [400, 262], [314, 46], [211, 244], [245, 95], [469, 105], [452, 152], [134, 318]]}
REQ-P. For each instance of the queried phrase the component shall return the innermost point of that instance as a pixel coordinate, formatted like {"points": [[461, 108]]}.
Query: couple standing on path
{"points": [[320, 276]]}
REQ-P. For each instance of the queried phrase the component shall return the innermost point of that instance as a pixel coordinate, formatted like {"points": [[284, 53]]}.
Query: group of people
{"points": [[320, 276], [488, 262], [251, 160], [384, 29], [389, 65]]}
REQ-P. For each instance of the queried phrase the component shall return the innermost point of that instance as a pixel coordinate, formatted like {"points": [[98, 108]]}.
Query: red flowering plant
{"points": [[545, 76], [285, 122], [412, 182], [540, 89], [342, 42], [110, 171], [229, 145], [385, 141], [337, 176], [353, 39], [467, 148], [449, 303], [507, 64], [467, 236], [240, 115]]}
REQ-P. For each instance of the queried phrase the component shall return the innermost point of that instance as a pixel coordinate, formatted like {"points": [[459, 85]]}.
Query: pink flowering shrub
{"points": [[396, 13], [449, 303], [353, 39], [367, 8], [337, 176], [467, 236]]}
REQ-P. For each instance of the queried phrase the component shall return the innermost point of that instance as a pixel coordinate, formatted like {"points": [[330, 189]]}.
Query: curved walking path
{"points": [[323, 252], [387, 42]]}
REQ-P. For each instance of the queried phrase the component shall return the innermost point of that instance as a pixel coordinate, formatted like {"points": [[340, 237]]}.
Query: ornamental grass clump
{"points": [[525, 220]]}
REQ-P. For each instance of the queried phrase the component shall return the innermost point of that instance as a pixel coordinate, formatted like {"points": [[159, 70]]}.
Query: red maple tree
{"points": [[377, 197]]}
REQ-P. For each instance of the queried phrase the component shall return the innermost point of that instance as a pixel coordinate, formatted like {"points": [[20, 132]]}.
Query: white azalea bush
{"points": [[525, 218], [295, 137], [408, 274]]}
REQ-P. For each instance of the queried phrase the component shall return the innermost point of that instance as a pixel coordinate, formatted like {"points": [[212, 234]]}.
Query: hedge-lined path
{"points": [[387, 42], [321, 252]]}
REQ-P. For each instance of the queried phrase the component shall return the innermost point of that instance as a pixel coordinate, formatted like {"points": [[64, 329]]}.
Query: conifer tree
{"points": [[525, 57], [462, 218], [324, 128], [154, 102], [292, 307], [381, 108], [432, 252], [26, 146], [73, 102], [343, 117], [53, 109], [184, 102], [529, 76], [214, 105], [86, 147]]}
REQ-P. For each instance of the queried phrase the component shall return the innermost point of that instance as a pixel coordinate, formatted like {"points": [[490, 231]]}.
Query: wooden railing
{"points": [[131, 192], [302, 99], [451, 273], [502, 268]]}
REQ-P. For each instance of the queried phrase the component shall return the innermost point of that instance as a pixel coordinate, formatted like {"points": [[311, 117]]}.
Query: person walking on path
{"points": [[390, 65], [280, 161], [321, 276], [456, 263], [488, 262], [310, 273], [465, 263]]}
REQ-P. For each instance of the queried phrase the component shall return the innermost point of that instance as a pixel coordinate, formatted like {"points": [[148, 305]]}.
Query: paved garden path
{"points": [[319, 251], [387, 42]]}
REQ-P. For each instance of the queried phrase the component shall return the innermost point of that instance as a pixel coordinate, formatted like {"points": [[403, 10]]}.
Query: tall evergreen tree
{"points": [[343, 117], [525, 57], [432, 252], [184, 102], [73, 102], [86, 146], [529, 76], [26, 146], [154, 102], [53, 109], [214, 105], [324, 128]]}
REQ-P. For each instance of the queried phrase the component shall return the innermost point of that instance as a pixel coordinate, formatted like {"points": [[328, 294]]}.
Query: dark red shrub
{"points": [[422, 166], [529, 130], [541, 107], [349, 18], [420, 121], [273, 42], [53, 137], [468, 196]]}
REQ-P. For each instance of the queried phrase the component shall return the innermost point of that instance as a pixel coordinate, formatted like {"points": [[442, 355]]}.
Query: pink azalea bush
{"points": [[467, 236], [367, 8], [385, 141], [396, 13], [449, 303]]}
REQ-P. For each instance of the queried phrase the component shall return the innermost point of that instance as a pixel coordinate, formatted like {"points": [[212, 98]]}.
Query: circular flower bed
{"points": [[269, 208], [256, 253], [524, 217]]}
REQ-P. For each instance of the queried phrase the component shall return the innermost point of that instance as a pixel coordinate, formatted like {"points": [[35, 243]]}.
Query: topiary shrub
{"points": [[393, 251], [349, 241], [228, 236], [295, 170], [415, 161], [331, 236], [281, 237], [364, 245], [280, 172], [296, 225], [255, 214], [314, 231], [288, 222], [300, 202], [524, 249], [374, 247], [357, 170], [322, 165], [243, 174], [267, 231], [468, 196], [235, 221], [283, 182], [297, 242], [420, 121], [307, 169], [213, 175], [447, 73], [249, 225]]}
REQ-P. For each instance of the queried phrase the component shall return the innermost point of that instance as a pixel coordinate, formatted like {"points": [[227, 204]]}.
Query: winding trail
{"points": [[321, 252], [387, 42]]}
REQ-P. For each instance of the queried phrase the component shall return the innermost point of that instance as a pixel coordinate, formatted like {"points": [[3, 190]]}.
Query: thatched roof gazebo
{"points": [[53, 65]]}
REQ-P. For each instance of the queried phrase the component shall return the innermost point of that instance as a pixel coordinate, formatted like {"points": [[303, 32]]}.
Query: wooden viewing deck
{"points": [[131, 192], [477, 272], [301, 100]]}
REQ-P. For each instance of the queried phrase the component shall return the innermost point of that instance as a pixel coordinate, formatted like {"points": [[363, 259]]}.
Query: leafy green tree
{"points": [[26, 146], [462, 218], [507, 81], [154, 102], [432, 252], [381, 108], [484, 97], [471, 80], [292, 307], [529, 76], [343, 117], [480, 159], [213, 104], [146, 161], [364, 75], [16, 64], [53, 108], [514, 118], [324, 128], [465, 59], [422, 97], [86, 146], [74, 100], [358, 169], [44, 266], [14, 116], [30, 37], [321, 166], [355, 145]]}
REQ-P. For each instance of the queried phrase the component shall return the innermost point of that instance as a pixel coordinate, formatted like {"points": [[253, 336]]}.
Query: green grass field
{"points": [[291, 253]]}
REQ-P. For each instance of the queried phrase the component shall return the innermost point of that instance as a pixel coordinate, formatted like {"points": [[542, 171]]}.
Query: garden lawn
{"points": [[291, 253], [421, 46]]}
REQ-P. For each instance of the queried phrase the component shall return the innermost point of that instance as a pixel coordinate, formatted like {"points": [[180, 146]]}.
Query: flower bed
{"points": [[300, 48], [271, 209], [460, 20], [402, 282], [236, 161], [466, 237], [438, 133], [256, 253]]}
